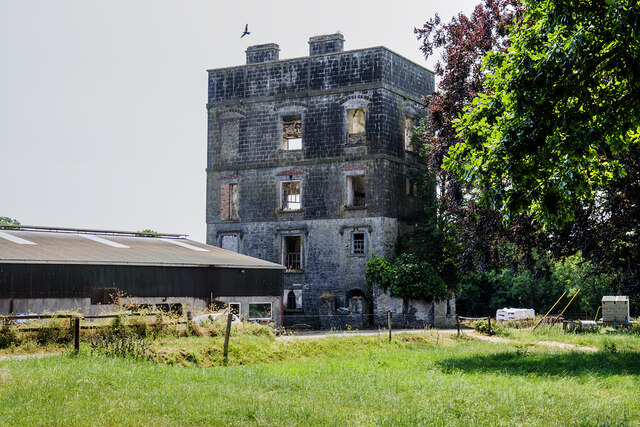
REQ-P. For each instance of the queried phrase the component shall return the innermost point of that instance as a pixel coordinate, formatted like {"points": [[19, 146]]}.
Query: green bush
{"points": [[53, 332], [8, 336], [408, 277]]}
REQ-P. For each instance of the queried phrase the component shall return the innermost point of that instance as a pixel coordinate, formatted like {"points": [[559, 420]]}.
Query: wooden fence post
{"points": [[226, 339], [389, 322], [458, 325], [76, 335], [489, 324]]}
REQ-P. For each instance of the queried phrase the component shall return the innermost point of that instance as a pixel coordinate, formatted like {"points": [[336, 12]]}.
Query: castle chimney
{"points": [[329, 43], [262, 53]]}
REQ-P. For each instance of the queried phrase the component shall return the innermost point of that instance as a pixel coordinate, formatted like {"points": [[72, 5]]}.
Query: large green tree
{"points": [[560, 111]]}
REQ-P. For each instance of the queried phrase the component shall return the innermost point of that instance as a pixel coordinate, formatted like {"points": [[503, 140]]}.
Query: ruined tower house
{"points": [[308, 166]]}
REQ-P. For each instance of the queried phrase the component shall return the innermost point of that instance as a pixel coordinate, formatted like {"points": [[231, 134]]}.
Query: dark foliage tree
{"points": [[463, 43]]}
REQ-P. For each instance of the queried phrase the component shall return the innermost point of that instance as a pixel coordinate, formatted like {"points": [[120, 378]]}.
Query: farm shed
{"points": [[93, 271], [615, 309]]}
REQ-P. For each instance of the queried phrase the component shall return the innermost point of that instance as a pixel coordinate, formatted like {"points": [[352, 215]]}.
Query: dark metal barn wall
{"points": [[76, 281]]}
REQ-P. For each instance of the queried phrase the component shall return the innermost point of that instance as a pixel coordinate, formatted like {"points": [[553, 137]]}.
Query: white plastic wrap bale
{"points": [[506, 314], [501, 314]]}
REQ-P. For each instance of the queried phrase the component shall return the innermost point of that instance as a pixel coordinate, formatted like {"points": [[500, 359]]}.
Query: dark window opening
{"points": [[170, 308], [234, 307], [292, 252], [291, 300], [104, 295], [356, 191], [136, 308]]}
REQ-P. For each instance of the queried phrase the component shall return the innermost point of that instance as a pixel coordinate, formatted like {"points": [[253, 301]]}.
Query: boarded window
{"points": [[357, 244], [229, 201], [229, 136], [409, 122], [291, 132], [260, 310], [229, 242], [104, 295], [291, 196], [355, 191], [292, 252], [356, 126]]}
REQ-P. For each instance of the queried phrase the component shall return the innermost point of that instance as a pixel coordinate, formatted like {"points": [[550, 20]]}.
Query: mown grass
{"points": [[426, 379]]}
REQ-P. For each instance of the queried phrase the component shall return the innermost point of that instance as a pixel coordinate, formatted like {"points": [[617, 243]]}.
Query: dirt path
{"points": [[27, 356], [554, 344]]}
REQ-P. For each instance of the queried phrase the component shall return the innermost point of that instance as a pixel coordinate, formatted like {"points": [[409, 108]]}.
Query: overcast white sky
{"points": [[102, 103]]}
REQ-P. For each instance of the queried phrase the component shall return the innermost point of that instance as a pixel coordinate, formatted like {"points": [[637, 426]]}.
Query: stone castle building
{"points": [[308, 166]]}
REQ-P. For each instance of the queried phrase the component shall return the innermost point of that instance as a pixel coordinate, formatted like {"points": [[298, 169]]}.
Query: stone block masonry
{"points": [[307, 166]]}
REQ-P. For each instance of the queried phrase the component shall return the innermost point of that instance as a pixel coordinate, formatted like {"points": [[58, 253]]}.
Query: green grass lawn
{"points": [[415, 380]]}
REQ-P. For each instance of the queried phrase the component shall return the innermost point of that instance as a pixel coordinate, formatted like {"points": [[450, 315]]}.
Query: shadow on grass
{"points": [[547, 364]]}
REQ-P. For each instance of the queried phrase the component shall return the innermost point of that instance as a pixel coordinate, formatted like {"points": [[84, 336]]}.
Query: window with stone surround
{"points": [[291, 132], [292, 252], [229, 201], [356, 126], [355, 191], [290, 196], [358, 243]]}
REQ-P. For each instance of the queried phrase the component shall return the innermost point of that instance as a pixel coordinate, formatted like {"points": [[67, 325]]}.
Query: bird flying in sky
{"points": [[246, 31]]}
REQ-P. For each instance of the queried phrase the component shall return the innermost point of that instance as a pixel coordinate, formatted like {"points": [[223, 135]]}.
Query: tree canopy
{"points": [[560, 110]]}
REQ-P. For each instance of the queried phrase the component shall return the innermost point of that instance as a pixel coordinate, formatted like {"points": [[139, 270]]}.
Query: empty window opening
{"points": [[291, 196], [104, 295], [409, 123], [357, 244], [229, 201], [260, 310], [291, 300], [291, 132], [356, 193], [292, 252], [356, 125]]}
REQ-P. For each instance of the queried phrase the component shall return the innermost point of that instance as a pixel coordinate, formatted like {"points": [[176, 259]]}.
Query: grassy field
{"points": [[426, 379]]}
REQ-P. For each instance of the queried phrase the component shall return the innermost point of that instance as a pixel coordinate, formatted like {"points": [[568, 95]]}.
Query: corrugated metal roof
{"points": [[81, 247]]}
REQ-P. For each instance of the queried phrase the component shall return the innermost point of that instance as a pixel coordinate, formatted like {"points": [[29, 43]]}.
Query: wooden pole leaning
{"points": [[389, 323], [76, 335], [543, 317], [225, 359]]}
